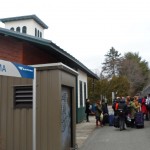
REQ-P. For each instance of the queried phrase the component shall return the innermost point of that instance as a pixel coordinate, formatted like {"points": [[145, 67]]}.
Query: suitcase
{"points": [[139, 119], [111, 120], [116, 121], [105, 119], [128, 121]]}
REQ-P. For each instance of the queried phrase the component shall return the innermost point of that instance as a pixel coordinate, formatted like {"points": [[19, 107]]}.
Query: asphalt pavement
{"points": [[90, 137], [85, 129], [111, 138]]}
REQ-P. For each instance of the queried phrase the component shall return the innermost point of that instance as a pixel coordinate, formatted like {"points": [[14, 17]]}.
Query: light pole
{"points": [[113, 96]]}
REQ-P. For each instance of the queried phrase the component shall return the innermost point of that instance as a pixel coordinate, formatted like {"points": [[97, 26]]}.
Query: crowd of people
{"points": [[129, 107], [100, 111]]}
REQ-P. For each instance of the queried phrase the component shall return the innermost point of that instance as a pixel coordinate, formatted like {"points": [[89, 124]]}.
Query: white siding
{"points": [[30, 24], [82, 77]]}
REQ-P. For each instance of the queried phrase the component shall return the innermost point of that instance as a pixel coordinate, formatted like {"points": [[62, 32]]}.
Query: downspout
{"points": [[76, 99], [34, 111]]}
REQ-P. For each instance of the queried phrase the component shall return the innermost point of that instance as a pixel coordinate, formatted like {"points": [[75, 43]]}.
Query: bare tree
{"points": [[133, 72]]}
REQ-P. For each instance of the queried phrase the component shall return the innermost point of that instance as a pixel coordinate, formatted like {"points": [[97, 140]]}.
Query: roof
{"points": [[52, 66], [34, 17], [50, 47]]}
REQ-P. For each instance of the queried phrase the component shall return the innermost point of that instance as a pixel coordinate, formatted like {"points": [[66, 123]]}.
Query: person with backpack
{"points": [[122, 113], [115, 106]]}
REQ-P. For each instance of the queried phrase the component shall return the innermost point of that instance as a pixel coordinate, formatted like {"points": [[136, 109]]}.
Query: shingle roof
{"points": [[48, 46], [34, 17]]}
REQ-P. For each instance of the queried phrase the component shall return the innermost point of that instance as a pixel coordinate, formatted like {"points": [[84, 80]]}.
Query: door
{"points": [[66, 117]]}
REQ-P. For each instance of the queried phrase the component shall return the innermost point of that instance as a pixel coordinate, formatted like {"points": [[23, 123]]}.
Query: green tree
{"points": [[91, 88], [97, 89], [121, 85], [125, 75], [111, 64]]}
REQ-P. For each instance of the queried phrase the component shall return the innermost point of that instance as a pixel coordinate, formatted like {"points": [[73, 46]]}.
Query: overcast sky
{"points": [[87, 29]]}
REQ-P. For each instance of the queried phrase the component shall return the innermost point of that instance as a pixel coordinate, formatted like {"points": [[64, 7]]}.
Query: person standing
{"points": [[87, 109], [98, 111], [144, 108], [135, 107], [148, 106], [105, 112], [115, 106], [122, 113]]}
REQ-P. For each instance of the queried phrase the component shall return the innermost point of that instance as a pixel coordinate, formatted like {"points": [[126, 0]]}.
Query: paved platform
{"points": [[84, 129]]}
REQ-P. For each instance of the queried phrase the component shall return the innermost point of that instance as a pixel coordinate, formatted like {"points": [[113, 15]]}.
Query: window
{"points": [[35, 32], [85, 90], [18, 29], [24, 29], [23, 96], [40, 34], [81, 94], [12, 29]]}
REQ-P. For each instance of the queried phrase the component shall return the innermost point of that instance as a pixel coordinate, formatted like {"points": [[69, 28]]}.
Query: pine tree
{"points": [[111, 64]]}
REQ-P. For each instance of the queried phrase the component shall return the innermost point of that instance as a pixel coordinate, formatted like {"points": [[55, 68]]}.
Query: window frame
{"points": [[36, 32], [18, 29], [85, 91], [40, 34], [24, 29], [81, 93], [12, 29]]}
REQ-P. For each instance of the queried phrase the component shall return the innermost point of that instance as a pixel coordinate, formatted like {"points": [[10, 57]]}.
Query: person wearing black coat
{"points": [[122, 111], [105, 112], [87, 109]]}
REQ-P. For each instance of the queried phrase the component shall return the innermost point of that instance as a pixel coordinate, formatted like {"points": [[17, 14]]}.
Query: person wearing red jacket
{"points": [[144, 108]]}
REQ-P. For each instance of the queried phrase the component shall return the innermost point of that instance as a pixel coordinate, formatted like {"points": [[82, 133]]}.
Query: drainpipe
{"points": [[34, 111]]}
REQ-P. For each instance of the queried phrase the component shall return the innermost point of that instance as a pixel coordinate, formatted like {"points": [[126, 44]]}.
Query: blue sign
{"points": [[16, 70]]}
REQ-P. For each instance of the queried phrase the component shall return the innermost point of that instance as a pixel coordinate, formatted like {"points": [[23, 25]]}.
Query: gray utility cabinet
{"points": [[54, 121]]}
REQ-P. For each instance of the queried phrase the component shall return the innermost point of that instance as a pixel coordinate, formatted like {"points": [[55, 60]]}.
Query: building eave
{"points": [[48, 45], [34, 17]]}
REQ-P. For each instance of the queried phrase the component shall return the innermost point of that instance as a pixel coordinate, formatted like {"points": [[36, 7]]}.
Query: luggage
{"points": [[128, 121], [111, 120], [116, 121], [105, 119], [139, 119]]}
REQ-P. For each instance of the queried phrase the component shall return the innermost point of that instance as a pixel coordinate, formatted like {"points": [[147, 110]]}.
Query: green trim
{"points": [[81, 114], [49, 46], [76, 99]]}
